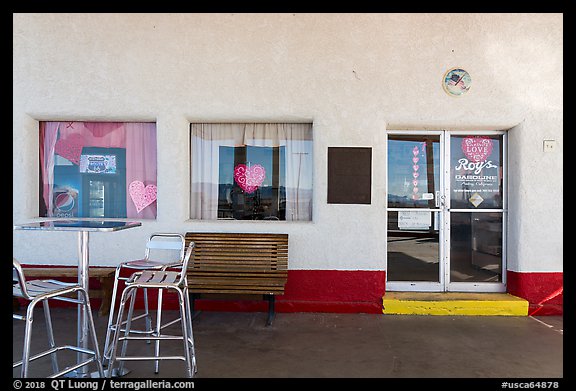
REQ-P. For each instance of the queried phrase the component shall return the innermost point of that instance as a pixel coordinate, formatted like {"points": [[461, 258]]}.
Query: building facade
{"points": [[410, 152]]}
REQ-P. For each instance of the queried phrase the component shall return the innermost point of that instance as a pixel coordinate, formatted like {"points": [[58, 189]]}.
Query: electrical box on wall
{"points": [[549, 145]]}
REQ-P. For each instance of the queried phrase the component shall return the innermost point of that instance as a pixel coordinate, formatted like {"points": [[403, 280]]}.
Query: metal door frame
{"points": [[443, 208], [476, 286], [420, 286]]}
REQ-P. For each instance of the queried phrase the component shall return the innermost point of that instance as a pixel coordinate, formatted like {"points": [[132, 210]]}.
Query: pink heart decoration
{"points": [[141, 195], [415, 160], [477, 148], [70, 147], [415, 175], [415, 167], [101, 129], [415, 182], [249, 178], [415, 151], [415, 190]]}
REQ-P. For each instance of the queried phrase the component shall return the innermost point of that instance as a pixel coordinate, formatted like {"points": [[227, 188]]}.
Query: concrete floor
{"points": [[327, 345]]}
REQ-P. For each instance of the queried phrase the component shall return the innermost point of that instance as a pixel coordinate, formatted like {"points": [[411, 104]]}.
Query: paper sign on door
{"points": [[408, 219]]}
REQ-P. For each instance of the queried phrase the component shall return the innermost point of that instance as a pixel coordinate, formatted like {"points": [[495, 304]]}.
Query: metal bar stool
{"points": [[41, 291], [166, 244], [173, 279]]}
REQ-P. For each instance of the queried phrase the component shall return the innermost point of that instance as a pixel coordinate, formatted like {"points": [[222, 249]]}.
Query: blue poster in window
{"points": [[66, 192], [98, 164]]}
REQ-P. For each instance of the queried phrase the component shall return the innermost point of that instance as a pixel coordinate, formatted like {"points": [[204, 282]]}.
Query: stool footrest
{"points": [[154, 338], [150, 358], [113, 328], [72, 368], [54, 350]]}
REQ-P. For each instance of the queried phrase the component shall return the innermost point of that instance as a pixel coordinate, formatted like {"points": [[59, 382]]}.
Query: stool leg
{"points": [[50, 332], [116, 335], [107, 285], [184, 323], [127, 330], [92, 328], [190, 333], [111, 316], [147, 318], [158, 331], [27, 339]]}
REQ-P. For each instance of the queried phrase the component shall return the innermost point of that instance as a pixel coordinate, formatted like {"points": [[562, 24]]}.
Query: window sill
{"points": [[234, 221]]}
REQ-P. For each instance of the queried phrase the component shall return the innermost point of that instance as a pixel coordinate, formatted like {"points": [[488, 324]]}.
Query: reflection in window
{"points": [[98, 169], [251, 171], [476, 247], [413, 247], [413, 171], [252, 183]]}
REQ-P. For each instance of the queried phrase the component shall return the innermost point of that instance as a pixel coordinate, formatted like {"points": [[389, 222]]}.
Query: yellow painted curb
{"points": [[453, 303]]}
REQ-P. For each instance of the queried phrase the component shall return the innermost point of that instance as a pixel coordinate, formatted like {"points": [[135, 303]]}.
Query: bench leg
{"points": [[271, 312], [194, 313], [107, 284]]}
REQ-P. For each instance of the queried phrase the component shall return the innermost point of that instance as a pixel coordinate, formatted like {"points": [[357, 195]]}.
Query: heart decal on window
{"points": [[70, 147], [477, 148], [249, 178], [141, 195]]}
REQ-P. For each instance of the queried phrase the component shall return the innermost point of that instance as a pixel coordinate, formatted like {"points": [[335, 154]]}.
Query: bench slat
{"points": [[235, 272], [230, 257], [226, 286], [232, 278], [237, 291]]}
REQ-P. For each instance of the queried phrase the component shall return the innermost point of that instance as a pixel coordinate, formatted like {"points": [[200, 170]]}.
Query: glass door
{"points": [[476, 211], [446, 211], [415, 217]]}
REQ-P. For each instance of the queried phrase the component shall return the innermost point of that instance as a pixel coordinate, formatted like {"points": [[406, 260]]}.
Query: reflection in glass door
{"points": [[414, 212], [446, 211]]}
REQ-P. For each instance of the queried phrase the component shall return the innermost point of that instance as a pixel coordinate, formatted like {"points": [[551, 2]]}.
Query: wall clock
{"points": [[456, 82]]}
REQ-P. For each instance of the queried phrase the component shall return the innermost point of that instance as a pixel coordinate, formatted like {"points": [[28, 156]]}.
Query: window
{"points": [[251, 171], [98, 169]]}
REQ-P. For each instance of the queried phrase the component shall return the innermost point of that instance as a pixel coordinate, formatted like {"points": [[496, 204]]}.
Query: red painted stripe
{"points": [[543, 290], [341, 291], [334, 285], [354, 291]]}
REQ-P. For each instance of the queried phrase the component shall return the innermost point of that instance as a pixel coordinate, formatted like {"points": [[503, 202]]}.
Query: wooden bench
{"points": [[238, 263], [104, 274]]}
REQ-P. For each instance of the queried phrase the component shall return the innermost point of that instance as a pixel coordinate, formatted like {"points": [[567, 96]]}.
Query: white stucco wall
{"points": [[352, 75]]}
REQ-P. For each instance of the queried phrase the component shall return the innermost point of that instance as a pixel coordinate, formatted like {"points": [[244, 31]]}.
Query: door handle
{"points": [[439, 200]]}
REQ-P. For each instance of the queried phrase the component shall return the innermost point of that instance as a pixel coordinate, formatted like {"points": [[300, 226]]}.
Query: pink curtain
{"points": [[48, 134], [141, 163], [138, 138]]}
